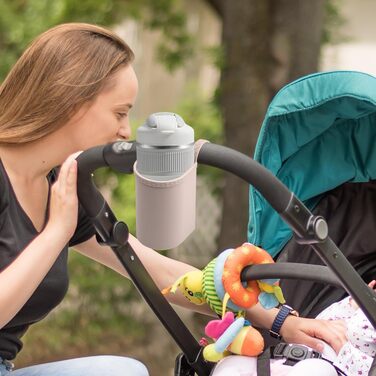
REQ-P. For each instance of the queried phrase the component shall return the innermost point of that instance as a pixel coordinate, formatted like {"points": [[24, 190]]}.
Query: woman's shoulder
{"points": [[3, 185], [4, 195]]}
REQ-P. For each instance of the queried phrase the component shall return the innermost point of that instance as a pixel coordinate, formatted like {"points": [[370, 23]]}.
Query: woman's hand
{"points": [[310, 332], [64, 202]]}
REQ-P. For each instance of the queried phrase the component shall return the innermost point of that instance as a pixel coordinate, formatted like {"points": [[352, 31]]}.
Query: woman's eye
{"points": [[121, 115]]}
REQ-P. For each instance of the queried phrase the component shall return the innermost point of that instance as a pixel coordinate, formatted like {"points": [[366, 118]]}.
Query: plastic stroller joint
{"points": [[308, 228], [110, 231]]}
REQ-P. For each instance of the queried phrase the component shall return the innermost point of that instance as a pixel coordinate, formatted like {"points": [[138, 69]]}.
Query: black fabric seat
{"points": [[350, 211]]}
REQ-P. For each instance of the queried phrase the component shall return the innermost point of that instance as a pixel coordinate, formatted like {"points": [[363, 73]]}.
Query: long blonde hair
{"points": [[61, 70]]}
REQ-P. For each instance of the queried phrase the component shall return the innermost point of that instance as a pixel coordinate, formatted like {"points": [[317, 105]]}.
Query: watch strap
{"points": [[282, 314]]}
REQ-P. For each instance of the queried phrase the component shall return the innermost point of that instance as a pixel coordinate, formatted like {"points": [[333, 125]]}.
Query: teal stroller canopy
{"points": [[318, 133]]}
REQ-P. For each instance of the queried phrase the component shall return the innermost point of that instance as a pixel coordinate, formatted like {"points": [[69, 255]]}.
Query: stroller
{"points": [[317, 139]]}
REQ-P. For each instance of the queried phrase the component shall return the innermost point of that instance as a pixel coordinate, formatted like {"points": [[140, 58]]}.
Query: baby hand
{"points": [[371, 285]]}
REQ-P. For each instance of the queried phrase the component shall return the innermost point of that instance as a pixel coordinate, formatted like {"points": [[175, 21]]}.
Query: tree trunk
{"points": [[296, 40], [266, 44]]}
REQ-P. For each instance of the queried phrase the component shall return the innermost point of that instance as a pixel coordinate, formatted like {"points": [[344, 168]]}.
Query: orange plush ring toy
{"points": [[247, 254]]}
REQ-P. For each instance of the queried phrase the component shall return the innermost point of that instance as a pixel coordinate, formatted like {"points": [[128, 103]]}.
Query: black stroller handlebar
{"points": [[291, 270], [274, 191], [308, 229]]}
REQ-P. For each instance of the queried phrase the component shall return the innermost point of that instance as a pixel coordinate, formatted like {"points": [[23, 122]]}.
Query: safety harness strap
{"points": [[263, 363]]}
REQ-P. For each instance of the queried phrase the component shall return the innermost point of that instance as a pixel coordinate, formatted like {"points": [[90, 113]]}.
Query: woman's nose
{"points": [[125, 132]]}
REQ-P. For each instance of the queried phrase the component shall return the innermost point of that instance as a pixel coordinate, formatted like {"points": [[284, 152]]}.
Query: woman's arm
{"points": [[21, 278], [309, 332], [163, 270]]}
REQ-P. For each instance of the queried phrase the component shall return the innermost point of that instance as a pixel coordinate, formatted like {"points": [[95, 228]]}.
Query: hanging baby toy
{"points": [[220, 285]]}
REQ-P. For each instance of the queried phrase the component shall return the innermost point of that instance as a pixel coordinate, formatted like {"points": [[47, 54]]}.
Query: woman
{"points": [[72, 89]]}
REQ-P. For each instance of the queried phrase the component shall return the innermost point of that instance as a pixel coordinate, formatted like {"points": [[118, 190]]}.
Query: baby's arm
{"points": [[356, 356], [338, 311], [344, 309], [353, 361]]}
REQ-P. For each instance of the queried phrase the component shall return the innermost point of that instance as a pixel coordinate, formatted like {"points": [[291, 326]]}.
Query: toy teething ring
{"points": [[247, 254], [218, 272]]}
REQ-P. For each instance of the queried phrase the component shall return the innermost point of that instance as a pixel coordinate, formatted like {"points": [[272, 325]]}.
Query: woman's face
{"points": [[107, 118]]}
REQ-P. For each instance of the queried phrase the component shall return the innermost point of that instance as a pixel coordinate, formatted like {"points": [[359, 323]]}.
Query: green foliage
{"points": [[216, 56], [333, 23], [123, 195], [168, 17], [98, 301], [22, 20]]}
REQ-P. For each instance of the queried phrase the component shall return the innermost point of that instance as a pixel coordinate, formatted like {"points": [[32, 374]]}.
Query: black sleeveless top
{"points": [[16, 232]]}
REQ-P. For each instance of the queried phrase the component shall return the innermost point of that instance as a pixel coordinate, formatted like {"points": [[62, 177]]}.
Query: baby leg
{"points": [[313, 367], [236, 365]]}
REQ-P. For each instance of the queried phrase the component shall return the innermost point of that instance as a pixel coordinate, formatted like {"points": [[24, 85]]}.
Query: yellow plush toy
{"points": [[190, 284]]}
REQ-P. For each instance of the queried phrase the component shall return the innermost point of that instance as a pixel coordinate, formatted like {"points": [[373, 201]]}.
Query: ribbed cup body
{"points": [[164, 163]]}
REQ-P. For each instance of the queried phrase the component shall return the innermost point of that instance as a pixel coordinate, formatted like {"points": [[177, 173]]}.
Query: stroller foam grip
{"points": [[118, 155], [90, 198]]}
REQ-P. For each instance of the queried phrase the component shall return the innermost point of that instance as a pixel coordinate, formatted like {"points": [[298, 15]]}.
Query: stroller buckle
{"points": [[293, 353]]}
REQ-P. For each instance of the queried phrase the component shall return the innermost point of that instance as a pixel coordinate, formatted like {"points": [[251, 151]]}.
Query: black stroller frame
{"points": [[307, 228]]}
